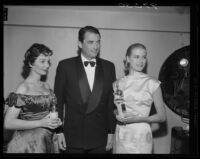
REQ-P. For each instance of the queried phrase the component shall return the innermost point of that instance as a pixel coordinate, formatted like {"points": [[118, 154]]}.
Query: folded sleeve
{"points": [[153, 85], [15, 100]]}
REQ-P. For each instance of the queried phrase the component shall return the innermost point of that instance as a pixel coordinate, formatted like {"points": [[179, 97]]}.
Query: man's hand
{"points": [[61, 141], [109, 144]]}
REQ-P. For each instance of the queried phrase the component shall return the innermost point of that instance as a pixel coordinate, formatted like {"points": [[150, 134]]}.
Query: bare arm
{"points": [[160, 116], [12, 122]]}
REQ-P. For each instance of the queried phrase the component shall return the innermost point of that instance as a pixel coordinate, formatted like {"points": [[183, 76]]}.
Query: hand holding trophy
{"points": [[53, 112], [54, 115], [119, 100]]}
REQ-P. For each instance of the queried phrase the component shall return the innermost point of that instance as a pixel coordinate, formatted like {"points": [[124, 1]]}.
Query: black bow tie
{"points": [[92, 63]]}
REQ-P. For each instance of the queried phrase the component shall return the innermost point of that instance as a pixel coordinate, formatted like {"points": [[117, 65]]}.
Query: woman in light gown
{"points": [[29, 107], [133, 131]]}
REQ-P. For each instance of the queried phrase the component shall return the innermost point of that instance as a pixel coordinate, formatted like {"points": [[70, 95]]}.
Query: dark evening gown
{"points": [[36, 140]]}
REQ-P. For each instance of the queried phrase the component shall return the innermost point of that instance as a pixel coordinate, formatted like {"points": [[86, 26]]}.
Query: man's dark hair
{"points": [[85, 29], [82, 32]]}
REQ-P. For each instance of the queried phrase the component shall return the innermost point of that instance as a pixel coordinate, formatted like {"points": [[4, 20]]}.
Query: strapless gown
{"points": [[138, 91], [36, 140]]}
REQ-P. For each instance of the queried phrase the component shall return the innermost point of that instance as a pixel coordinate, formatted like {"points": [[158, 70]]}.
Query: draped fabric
{"points": [[33, 107], [138, 92]]}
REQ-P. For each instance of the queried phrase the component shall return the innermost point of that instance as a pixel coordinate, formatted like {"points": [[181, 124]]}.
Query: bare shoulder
{"points": [[22, 88], [46, 85]]}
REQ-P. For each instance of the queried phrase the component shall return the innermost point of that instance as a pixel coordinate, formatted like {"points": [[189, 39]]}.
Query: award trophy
{"points": [[121, 107], [53, 112]]}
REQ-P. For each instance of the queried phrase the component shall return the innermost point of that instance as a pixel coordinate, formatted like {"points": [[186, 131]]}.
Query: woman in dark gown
{"points": [[30, 105]]}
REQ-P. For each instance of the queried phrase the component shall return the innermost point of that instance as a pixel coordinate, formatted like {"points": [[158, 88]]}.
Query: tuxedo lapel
{"points": [[97, 88], [83, 83]]}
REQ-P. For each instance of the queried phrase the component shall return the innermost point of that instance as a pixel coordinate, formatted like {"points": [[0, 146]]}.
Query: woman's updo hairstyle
{"points": [[128, 54], [31, 55]]}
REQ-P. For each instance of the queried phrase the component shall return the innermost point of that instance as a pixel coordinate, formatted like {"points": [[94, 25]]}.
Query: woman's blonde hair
{"points": [[128, 54]]}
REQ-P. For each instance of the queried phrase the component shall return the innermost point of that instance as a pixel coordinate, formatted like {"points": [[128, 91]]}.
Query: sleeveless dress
{"points": [[136, 138], [33, 107]]}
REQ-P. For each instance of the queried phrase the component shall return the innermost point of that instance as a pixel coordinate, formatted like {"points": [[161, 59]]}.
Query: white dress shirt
{"points": [[90, 71]]}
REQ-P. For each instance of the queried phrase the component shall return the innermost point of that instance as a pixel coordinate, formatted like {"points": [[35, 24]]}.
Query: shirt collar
{"points": [[84, 59]]}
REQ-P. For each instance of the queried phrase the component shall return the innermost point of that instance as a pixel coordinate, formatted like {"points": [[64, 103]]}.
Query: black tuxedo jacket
{"points": [[88, 116]]}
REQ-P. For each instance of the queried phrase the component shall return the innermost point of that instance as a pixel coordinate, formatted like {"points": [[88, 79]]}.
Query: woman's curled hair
{"points": [[31, 55]]}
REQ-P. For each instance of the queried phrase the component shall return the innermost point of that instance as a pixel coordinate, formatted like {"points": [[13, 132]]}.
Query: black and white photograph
{"points": [[100, 79]]}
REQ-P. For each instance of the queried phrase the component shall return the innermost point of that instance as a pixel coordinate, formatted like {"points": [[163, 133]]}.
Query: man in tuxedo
{"points": [[83, 87]]}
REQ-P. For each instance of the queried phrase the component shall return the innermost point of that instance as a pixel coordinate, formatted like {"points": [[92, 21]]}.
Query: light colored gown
{"points": [[138, 92]]}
